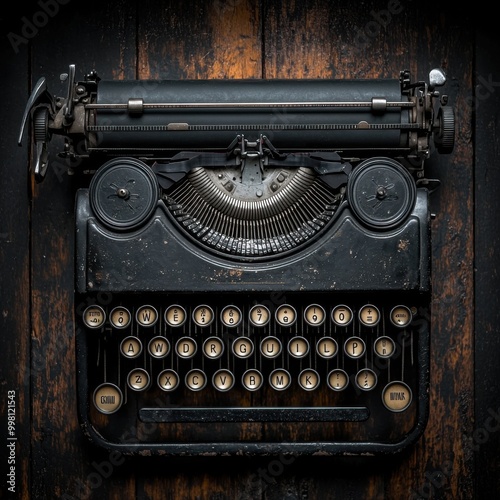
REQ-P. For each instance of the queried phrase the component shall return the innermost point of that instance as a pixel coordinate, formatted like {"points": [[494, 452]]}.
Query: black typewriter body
{"points": [[253, 260]]}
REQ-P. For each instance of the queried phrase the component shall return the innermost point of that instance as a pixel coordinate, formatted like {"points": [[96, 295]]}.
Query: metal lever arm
{"points": [[37, 96]]}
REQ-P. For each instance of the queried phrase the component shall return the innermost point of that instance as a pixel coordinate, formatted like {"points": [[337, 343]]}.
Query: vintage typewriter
{"points": [[252, 267]]}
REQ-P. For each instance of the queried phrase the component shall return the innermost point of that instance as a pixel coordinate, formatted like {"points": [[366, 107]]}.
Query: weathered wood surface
{"points": [[458, 455]]}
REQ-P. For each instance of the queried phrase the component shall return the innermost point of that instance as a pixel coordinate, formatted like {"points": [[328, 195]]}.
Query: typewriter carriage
{"points": [[397, 117]]}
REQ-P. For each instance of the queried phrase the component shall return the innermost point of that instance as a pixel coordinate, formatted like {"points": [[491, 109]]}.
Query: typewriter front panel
{"points": [[316, 344]]}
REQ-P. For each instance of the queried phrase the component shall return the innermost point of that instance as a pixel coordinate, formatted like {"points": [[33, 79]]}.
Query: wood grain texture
{"points": [[336, 29], [254, 39], [15, 322], [64, 464], [220, 39], [485, 440]]}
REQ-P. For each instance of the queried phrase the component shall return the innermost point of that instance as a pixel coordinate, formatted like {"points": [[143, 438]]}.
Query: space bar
{"points": [[259, 414]]}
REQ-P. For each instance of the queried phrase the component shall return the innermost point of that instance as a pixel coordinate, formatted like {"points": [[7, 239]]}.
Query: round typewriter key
{"points": [[337, 380], [270, 347], [354, 347], [175, 316], [384, 347], [285, 315], [131, 347], [230, 316], [242, 347], [298, 347], [252, 380], [186, 347], [94, 316], [159, 347], [108, 398], [168, 380], [123, 193], [309, 379], [146, 316], [120, 317], [223, 380], [369, 315], [314, 315], [213, 347], [196, 380], [326, 347], [401, 316], [279, 379], [342, 315], [259, 315], [138, 379], [396, 396], [381, 192], [203, 315], [366, 379]]}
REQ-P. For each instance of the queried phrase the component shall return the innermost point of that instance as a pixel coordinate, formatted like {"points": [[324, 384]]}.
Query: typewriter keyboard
{"points": [[237, 358]]}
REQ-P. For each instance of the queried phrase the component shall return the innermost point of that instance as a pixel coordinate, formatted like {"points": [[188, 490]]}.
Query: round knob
{"points": [[381, 192], [41, 125], [123, 193], [444, 136]]}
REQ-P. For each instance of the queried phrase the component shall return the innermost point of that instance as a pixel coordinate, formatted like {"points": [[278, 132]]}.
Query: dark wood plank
{"points": [[443, 464], [485, 104], [220, 39], [100, 37], [312, 39], [15, 324], [302, 41]]}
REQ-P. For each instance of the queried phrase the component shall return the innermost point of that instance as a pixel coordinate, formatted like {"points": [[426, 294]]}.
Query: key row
{"points": [[108, 397], [243, 347], [231, 316]]}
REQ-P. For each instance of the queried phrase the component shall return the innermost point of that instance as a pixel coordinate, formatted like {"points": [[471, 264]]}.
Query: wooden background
{"points": [[458, 456]]}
